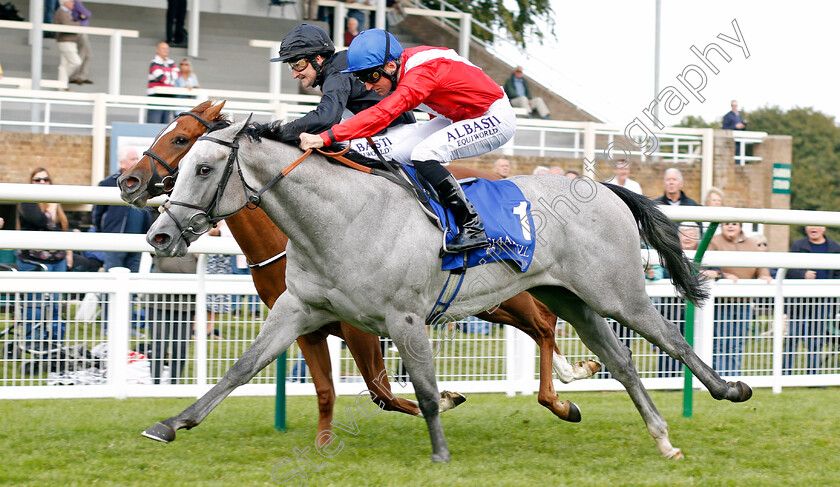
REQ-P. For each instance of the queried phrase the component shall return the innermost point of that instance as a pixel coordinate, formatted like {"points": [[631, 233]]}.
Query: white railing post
{"points": [[275, 73], [118, 322], [338, 29], [192, 40], [463, 35], [99, 139], [201, 322], [381, 8], [708, 161], [115, 63], [527, 360], [778, 330], [510, 360], [334, 344]]}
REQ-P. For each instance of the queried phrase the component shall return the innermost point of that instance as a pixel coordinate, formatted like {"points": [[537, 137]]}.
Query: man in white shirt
{"points": [[621, 178]]}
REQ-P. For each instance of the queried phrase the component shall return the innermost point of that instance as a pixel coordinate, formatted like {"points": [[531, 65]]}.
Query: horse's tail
{"points": [[663, 236]]}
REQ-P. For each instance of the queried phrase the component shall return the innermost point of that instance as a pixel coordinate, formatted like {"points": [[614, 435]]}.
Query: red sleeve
{"points": [[414, 87]]}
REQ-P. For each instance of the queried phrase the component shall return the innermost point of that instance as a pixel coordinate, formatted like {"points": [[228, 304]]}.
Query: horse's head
{"points": [[209, 188], [155, 172]]}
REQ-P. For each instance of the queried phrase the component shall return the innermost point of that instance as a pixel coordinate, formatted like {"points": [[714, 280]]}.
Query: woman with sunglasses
{"points": [[472, 115], [42, 217], [312, 59]]}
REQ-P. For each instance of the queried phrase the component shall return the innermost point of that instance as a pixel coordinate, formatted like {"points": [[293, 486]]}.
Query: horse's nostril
{"points": [[160, 238], [129, 183]]}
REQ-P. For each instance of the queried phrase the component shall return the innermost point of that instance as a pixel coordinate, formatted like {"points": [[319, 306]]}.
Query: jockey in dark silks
{"points": [[311, 55], [472, 115]]}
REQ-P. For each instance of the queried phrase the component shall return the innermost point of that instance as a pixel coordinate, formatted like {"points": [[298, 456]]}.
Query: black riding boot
{"points": [[472, 234]]}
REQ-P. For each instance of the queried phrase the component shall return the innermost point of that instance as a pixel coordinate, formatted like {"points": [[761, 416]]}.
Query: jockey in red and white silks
{"points": [[472, 114]]}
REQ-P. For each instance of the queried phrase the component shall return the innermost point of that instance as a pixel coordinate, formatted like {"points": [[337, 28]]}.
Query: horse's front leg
{"points": [[316, 352], [287, 319], [409, 334]]}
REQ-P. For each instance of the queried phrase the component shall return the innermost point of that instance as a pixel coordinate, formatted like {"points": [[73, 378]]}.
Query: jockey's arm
{"points": [[310, 141]]}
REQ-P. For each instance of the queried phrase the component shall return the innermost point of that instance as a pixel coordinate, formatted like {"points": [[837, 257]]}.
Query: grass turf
{"points": [[787, 439]]}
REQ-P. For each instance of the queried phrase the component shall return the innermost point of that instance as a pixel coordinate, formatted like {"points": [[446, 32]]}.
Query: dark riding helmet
{"points": [[305, 42]]}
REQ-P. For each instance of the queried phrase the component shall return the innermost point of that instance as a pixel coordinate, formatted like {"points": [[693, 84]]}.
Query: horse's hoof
{"points": [[593, 365], [677, 454], [574, 413], [441, 457], [456, 398], [160, 432], [745, 392]]}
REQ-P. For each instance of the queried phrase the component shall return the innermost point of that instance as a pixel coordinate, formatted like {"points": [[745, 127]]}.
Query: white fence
{"points": [[774, 335]]}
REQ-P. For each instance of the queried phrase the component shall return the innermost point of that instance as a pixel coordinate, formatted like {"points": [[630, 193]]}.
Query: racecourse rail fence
{"points": [[91, 331]]}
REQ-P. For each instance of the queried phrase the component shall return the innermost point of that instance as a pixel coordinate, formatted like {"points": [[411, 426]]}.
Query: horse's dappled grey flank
{"points": [[361, 250]]}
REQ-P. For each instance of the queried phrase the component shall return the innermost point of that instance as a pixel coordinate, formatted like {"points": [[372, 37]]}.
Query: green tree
{"points": [[816, 156], [691, 121], [528, 20]]}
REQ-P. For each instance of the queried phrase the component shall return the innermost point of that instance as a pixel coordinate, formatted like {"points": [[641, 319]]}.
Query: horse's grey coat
{"points": [[361, 250]]}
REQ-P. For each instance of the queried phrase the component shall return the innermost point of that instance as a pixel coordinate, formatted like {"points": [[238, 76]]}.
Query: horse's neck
{"points": [[256, 234], [315, 196]]}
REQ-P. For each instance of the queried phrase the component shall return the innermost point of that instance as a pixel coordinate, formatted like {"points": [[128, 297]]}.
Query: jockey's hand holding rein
{"points": [[310, 141]]}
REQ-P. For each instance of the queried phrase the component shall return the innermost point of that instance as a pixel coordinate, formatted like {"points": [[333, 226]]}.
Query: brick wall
{"points": [[66, 157]]}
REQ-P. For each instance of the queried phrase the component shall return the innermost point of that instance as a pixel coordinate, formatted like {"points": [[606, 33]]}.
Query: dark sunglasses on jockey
{"points": [[371, 75], [299, 65]]}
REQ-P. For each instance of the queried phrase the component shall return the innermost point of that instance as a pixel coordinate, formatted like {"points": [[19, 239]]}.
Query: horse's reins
{"points": [[155, 181]]}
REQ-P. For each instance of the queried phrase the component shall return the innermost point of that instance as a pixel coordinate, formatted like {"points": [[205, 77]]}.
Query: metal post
{"points": [[464, 36], [119, 313], [688, 390], [656, 58], [778, 331], [115, 60], [274, 74], [381, 8], [36, 41], [280, 395], [338, 29], [201, 322], [589, 149], [192, 41]]}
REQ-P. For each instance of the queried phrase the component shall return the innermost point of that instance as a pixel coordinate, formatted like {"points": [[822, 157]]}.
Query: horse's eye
{"points": [[181, 140], [204, 170]]}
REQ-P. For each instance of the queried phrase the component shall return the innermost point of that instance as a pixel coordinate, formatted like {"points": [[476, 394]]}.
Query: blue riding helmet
{"points": [[371, 49]]}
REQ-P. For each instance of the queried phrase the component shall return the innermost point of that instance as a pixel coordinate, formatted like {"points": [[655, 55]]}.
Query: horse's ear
{"points": [[201, 107], [245, 125], [212, 113]]}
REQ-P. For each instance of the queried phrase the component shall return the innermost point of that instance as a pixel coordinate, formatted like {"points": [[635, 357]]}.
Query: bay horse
{"points": [[261, 241], [385, 278]]}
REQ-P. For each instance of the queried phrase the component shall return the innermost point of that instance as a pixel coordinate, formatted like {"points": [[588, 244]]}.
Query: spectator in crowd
{"points": [[121, 218], [67, 43], [809, 320], [572, 174], [187, 78], [170, 320], [674, 194], [733, 315], [622, 177], [714, 197], [50, 7], [541, 170], [176, 13], [310, 10], [761, 241], [351, 31], [82, 16], [733, 120], [557, 170], [7, 256], [162, 72], [520, 96], [501, 168], [42, 217]]}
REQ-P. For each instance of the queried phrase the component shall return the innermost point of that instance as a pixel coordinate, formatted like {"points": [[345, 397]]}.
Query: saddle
{"points": [[501, 205]]}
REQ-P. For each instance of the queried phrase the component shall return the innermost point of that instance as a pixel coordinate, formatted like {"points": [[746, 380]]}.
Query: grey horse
{"points": [[361, 250]]}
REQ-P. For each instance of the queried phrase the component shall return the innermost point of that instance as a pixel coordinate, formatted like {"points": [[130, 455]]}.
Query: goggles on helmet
{"points": [[371, 75], [299, 65]]}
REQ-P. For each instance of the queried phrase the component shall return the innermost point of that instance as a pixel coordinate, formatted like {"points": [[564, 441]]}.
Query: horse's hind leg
{"points": [[316, 352], [649, 323], [599, 337], [283, 325]]}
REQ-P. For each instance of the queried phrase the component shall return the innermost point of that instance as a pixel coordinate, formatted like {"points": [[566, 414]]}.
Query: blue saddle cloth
{"points": [[507, 221]]}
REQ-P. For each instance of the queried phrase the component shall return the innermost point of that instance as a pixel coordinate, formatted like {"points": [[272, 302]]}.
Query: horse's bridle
{"points": [[158, 185]]}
